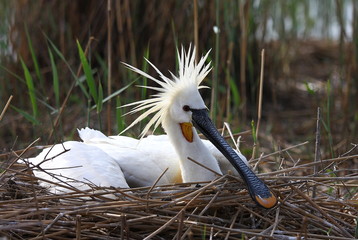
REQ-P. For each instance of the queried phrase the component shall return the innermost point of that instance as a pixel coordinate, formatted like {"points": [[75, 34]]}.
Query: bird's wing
{"points": [[76, 164]]}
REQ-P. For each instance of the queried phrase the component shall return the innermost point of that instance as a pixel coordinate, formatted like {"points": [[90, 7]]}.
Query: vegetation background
{"points": [[61, 61]]}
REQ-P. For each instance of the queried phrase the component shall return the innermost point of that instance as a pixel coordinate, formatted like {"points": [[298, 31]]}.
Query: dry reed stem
{"points": [[17, 158], [5, 107], [109, 62], [259, 104], [203, 166], [196, 29], [232, 224], [277, 152]]}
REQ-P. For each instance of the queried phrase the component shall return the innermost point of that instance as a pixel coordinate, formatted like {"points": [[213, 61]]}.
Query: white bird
{"points": [[177, 107], [153, 154], [112, 161]]}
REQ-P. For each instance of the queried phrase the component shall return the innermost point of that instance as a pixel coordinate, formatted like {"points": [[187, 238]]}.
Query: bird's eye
{"points": [[186, 108]]}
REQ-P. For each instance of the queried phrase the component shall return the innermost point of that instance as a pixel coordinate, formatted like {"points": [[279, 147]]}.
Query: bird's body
{"points": [[144, 160], [117, 161], [177, 107]]}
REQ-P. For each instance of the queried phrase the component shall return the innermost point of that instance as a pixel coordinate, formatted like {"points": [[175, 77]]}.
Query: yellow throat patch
{"points": [[187, 130]]}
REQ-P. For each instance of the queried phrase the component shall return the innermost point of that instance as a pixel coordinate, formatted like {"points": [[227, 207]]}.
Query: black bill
{"points": [[258, 190]]}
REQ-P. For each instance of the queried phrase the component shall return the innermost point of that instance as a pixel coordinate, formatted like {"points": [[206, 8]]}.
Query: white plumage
{"points": [[117, 161], [143, 161], [76, 165]]}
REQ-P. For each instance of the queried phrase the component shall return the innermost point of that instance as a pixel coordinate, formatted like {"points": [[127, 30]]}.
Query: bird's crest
{"points": [[190, 75]]}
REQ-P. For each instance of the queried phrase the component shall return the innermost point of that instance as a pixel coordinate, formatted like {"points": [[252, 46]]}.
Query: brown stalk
{"points": [[196, 30], [203, 166], [109, 62], [259, 108], [5, 107], [243, 13], [78, 227], [232, 223]]}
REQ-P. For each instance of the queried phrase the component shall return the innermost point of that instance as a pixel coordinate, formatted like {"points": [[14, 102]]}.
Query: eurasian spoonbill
{"points": [[177, 107]]}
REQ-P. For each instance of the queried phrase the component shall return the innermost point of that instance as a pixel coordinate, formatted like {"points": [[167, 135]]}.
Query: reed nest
{"points": [[311, 206]]}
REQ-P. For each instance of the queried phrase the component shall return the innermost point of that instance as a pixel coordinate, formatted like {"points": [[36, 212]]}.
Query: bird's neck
{"points": [[191, 171]]}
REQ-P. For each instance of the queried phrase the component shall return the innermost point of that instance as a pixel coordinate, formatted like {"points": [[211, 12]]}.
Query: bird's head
{"points": [[175, 96]]}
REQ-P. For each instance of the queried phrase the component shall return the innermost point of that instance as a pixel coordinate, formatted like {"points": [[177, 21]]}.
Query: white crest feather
{"points": [[190, 75]]}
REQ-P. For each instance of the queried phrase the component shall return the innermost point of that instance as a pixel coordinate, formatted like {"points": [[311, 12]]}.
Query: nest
{"points": [[317, 206]]}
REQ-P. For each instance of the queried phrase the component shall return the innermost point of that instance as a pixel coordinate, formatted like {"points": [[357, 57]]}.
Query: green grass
{"points": [[88, 73], [34, 57], [31, 89], [119, 116]]}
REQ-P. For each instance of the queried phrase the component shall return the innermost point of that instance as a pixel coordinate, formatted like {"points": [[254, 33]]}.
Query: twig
{"points": [[258, 162], [203, 166], [317, 155], [124, 226], [195, 192], [304, 227], [17, 158], [309, 178], [21, 150], [154, 184], [5, 107], [318, 208], [58, 217], [232, 223], [231, 135], [279, 151], [78, 227], [259, 109], [308, 165], [276, 221], [180, 226]]}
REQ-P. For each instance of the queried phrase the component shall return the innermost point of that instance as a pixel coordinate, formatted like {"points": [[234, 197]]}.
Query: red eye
{"points": [[186, 108]]}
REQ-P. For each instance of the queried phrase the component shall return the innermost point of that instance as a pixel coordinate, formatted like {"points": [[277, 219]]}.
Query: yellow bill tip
{"points": [[268, 202]]}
